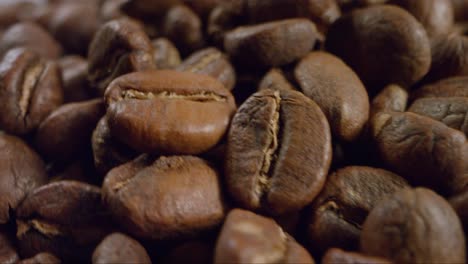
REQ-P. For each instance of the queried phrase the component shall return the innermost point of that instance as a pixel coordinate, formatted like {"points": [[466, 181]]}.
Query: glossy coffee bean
{"points": [[250, 238], [21, 170], [119, 248], [162, 198], [168, 111], [41, 258], [166, 55], [118, 47], [414, 226], [30, 89], [75, 79], [275, 80], [336, 255], [335, 87], [278, 152], [450, 87], [383, 44], [212, 62], [393, 98], [8, 254], [337, 214], [424, 151]]}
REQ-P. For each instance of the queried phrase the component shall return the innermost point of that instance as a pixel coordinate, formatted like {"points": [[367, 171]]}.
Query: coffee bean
{"points": [[184, 113], [275, 80], [451, 87], [250, 238], [336, 255], [161, 198], [278, 152], [459, 203], [30, 89], [337, 90], [41, 258], [414, 226], [119, 248], [337, 214], [166, 55], [118, 47], [393, 98], [75, 79], [8, 253]]}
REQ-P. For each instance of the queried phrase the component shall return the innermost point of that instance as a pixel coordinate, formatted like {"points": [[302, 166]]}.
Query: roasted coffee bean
{"points": [[166, 55], [275, 79], [271, 44], [392, 98], [337, 214], [65, 218], [383, 44], [424, 151], [8, 253], [111, 9], [41, 258], [30, 88], [21, 170], [278, 152], [451, 87], [336, 255], [414, 226], [459, 203], [31, 36], [338, 91], [250, 238], [75, 79], [212, 62], [195, 252], [183, 113], [119, 248], [13, 11], [66, 133], [118, 47], [164, 198]]}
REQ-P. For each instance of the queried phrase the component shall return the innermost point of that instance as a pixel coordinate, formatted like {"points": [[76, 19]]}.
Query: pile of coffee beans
{"points": [[233, 131]]}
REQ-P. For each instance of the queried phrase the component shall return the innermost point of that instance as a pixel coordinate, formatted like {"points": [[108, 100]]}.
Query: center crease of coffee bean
{"points": [[204, 61], [198, 97], [41, 226], [31, 78]]}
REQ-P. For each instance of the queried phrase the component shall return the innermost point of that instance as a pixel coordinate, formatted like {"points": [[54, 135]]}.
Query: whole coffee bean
{"points": [[414, 226], [212, 62], [8, 253], [65, 218], [195, 252], [167, 198], [66, 133], [424, 151], [392, 98], [437, 16], [278, 152], [337, 214], [459, 203], [224, 17], [169, 111], [119, 248], [107, 151], [451, 111], [41, 258], [336, 255], [118, 47], [384, 44], [13, 11], [30, 89], [338, 91], [32, 36], [275, 80], [166, 55], [21, 170], [250, 238], [148, 8], [451, 87], [271, 44], [75, 79]]}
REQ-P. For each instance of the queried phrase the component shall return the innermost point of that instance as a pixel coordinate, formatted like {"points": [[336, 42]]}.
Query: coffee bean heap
{"points": [[233, 131]]}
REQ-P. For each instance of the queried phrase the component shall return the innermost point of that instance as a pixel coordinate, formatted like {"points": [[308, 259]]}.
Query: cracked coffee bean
{"points": [[119, 248]]}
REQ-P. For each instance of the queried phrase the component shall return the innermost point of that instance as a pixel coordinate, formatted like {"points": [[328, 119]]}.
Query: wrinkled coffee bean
{"points": [[393, 98], [184, 113], [30, 88], [250, 238], [383, 44], [336, 255], [275, 80], [118, 47], [337, 90], [75, 79], [119, 248], [278, 152], [451, 87], [161, 198], [166, 55], [414, 226], [8, 253], [210, 62], [41, 258]]}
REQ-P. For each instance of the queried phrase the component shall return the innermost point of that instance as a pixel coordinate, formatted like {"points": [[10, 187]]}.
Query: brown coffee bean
{"points": [[166, 55], [168, 111], [118, 47], [30, 89], [65, 218], [336, 255], [337, 214], [275, 80], [223, 18], [119, 248], [13, 11], [32, 36], [278, 152], [250, 238], [271, 44], [41, 258], [75, 79], [8, 253], [21, 170], [393, 98], [165, 198], [459, 203], [384, 44], [451, 87], [212, 62], [414, 226], [338, 91], [148, 8], [66, 133], [424, 151]]}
